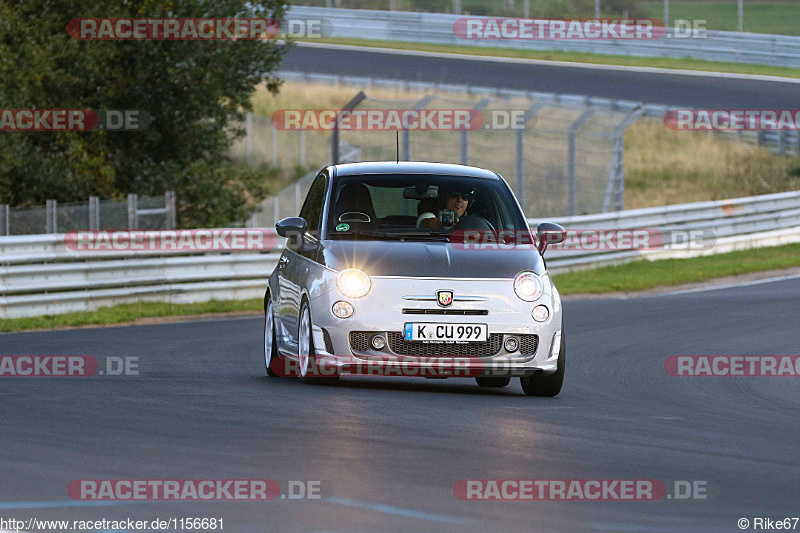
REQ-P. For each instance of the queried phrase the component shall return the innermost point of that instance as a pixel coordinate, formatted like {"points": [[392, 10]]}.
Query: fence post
{"points": [[132, 216], [615, 189], [297, 201], [94, 213], [422, 104], [526, 9], [520, 169], [303, 148], [573, 185], [480, 106], [276, 209], [51, 226], [349, 106], [274, 145], [248, 137], [171, 215], [4, 220]]}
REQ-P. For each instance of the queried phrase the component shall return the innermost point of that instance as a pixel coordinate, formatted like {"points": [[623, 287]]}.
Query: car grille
{"points": [[463, 312], [326, 337], [359, 341], [479, 349], [528, 344]]}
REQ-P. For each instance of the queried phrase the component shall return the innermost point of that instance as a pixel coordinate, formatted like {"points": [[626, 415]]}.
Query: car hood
{"points": [[428, 259]]}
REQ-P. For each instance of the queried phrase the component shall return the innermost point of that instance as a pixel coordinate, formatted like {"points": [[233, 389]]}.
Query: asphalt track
{"points": [[388, 451], [654, 87]]}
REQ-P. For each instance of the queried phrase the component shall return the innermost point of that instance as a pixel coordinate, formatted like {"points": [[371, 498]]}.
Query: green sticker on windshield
{"points": [[343, 227]]}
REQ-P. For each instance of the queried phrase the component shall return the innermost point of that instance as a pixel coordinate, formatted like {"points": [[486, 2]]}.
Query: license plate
{"points": [[427, 332]]}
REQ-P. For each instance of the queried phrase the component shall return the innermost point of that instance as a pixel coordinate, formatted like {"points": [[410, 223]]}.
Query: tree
{"points": [[195, 91]]}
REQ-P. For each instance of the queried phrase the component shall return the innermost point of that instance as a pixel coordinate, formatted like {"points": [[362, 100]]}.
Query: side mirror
{"points": [[293, 228], [549, 233]]}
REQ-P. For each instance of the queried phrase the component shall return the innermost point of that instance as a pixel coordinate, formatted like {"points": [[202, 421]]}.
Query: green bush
{"points": [[195, 91]]}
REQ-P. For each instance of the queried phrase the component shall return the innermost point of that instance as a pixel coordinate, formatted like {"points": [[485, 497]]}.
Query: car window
{"points": [[312, 207], [371, 205]]}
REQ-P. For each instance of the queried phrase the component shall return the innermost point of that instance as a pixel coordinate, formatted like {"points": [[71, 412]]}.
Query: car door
{"points": [[297, 267]]}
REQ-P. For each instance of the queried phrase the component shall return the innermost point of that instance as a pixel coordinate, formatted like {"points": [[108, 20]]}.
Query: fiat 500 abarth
{"points": [[414, 269]]}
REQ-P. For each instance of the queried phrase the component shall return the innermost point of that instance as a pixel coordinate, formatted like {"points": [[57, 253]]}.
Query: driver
{"points": [[452, 198]]}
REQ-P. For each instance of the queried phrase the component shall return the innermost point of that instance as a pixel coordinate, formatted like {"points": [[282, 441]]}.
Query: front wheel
{"points": [[270, 344], [547, 385]]}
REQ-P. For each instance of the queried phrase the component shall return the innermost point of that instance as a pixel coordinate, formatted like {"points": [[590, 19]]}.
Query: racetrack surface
{"points": [[716, 91], [388, 450]]}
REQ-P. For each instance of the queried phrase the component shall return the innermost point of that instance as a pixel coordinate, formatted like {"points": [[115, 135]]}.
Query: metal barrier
{"points": [[720, 226], [40, 275], [435, 28]]}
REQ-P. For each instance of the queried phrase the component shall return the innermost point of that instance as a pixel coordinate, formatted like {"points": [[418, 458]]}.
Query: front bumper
{"points": [[392, 302]]}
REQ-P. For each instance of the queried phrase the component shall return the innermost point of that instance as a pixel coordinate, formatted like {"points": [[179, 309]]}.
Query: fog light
{"points": [[343, 309], [540, 313], [511, 344], [378, 342]]}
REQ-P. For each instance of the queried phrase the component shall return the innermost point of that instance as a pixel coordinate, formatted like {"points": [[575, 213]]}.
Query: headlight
{"points": [[528, 286], [353, 283]]}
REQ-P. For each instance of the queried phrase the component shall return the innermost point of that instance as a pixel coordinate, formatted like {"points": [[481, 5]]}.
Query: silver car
{"points": [[414, 269]]}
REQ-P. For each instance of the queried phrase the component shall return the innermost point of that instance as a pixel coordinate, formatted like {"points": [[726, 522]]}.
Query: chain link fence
{"points": [[566, 160], [138, 212]]}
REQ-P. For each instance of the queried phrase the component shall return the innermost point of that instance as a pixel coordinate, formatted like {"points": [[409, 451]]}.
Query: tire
{"points": [[271, 359], [305, 348], [548, 386], [486, 381]]}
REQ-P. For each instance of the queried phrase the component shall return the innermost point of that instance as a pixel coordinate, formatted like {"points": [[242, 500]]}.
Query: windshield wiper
{"points": [[425, 235]]}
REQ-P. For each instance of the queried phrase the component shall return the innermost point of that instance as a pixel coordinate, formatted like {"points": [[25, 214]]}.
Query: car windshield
{"points": [[419, 206]]}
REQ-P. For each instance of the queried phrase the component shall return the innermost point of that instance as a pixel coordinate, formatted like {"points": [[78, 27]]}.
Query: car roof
{"points": [[413, 167]]}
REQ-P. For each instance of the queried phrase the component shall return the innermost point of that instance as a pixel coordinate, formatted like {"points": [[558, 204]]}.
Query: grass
{"points": [[643, 275], [630, 277], [128, 313], [759, 17], [664, 166], [578, 57]]}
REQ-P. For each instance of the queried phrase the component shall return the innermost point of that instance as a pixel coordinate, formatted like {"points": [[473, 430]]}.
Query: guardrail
{"points": [[436, 28], [718, 226], [40, 275]]}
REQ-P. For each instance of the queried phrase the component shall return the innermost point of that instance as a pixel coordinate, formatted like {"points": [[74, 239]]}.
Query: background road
{"points": [[709, 92], [388, 451]]}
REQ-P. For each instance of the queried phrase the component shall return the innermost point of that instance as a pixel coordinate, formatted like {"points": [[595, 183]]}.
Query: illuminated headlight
{"points": [[528, 286], [343, 309], [353, 283], [540, 313]]}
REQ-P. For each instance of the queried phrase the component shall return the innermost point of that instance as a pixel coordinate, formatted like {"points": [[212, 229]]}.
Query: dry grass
{"points": [[664, 166]]}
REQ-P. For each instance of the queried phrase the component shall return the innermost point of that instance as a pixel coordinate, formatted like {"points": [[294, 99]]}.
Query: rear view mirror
{"points": [[549, 233], [294, 229]]}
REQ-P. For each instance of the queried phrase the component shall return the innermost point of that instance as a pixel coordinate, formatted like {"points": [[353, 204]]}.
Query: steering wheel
{"points": [[474, 222]]}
